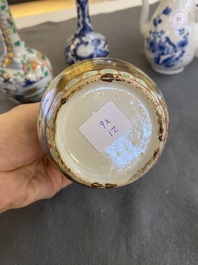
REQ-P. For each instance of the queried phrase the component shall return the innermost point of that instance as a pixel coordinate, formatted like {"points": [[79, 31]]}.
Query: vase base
{"points": [[167, 71]]}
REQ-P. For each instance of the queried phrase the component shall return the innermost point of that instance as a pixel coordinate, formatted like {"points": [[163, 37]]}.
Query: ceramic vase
{"points": [[86, 43], [170, 36], [103, 122], [24, 72]]}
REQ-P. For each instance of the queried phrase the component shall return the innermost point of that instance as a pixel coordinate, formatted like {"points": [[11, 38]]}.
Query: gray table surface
{"points": [[152, 221]]}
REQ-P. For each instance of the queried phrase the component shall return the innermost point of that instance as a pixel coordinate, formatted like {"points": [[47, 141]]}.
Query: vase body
{"points": [[103, 122], [24, 72], [171, 35], [85, 43]]}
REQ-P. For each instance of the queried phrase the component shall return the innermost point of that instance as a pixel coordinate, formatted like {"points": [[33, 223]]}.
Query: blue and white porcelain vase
{"points": [[171, 35], [24, 72], [85, 43]]}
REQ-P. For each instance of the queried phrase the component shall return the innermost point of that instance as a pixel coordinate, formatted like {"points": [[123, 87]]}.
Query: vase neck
{"points": [[13, 44], [84, 22]]}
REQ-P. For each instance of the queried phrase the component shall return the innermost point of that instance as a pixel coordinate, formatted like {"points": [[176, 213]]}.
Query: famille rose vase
{"points": [[171, 36], [85, 43], [24, 72], [103, 122]]}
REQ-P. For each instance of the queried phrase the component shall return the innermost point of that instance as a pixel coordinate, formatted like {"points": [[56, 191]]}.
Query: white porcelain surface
{"points": [[171, 35]]}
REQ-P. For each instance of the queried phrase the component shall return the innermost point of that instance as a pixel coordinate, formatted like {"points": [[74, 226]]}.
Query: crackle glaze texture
{"points": [[86, 43], [24, 72]]}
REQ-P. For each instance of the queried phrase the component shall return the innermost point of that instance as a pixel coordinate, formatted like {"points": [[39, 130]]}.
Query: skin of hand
{"points": [[26, 174]]}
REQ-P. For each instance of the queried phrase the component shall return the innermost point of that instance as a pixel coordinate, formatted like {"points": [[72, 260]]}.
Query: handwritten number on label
{"points": [[114, 129], [102, 123], [105, 125], [178, 19], [107, 121]]}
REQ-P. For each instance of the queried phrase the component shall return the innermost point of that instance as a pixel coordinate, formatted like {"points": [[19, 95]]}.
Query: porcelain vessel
{"points": [[171, 37], [103, 122], [24, 72], [86, 43]]}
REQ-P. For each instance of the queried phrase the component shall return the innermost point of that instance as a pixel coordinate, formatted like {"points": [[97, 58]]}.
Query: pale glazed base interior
{"points": [[126, 156]]}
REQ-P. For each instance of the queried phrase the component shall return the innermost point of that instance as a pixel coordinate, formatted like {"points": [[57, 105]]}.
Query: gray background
{"points": [[152, 221]]}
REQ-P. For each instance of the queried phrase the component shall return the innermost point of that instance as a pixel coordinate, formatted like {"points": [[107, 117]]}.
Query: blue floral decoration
{"points": [[164, 51], [166, 11], [85, 39]]}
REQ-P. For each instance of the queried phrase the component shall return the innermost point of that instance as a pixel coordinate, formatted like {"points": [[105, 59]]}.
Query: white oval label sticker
{"points": [[179, 19]]}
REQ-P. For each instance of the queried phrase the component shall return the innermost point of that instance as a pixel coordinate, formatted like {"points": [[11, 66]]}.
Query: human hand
{"points": [[26, 174]]}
